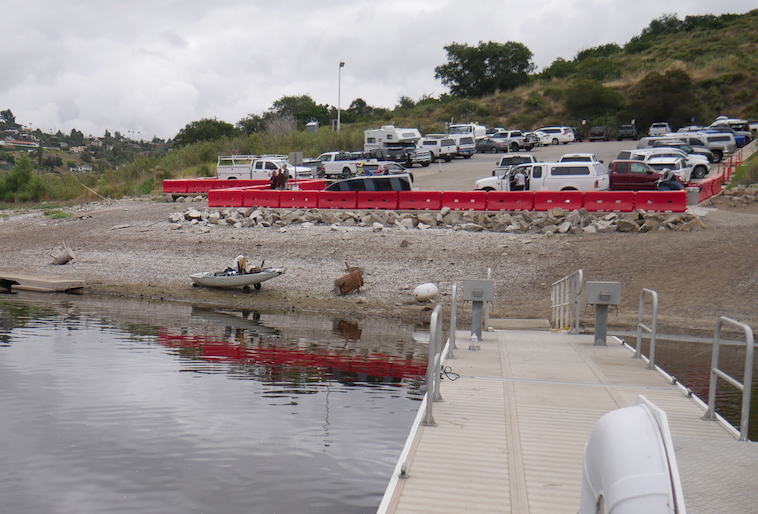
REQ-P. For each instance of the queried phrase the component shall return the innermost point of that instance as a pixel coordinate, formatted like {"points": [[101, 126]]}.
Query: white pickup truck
{"points": [[256, 167], [342, 164]]}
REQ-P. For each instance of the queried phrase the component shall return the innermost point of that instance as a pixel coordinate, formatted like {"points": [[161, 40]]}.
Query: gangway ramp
{"points": [[510, 432]]}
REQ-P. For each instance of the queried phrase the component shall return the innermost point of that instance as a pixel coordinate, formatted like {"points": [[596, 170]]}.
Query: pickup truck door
{"points": [[642, 177]]}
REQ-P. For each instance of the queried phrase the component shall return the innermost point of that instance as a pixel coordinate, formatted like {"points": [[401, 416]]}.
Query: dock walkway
{"points": [[510, 432]]}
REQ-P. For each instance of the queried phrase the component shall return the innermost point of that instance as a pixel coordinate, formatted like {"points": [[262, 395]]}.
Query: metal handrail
{"points": [[747, 379], [487, 304], [433, 363], [652, 330], [566, 295], [453, 321]]}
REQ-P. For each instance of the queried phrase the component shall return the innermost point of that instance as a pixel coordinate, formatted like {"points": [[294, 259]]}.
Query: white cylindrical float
{"points": [[425, 292]]}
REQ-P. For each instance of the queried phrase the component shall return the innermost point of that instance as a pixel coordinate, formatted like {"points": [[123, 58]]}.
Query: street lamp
{"points": [[339, 87]]}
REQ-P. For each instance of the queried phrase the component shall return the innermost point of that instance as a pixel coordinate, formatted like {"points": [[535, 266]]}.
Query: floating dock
{"points": [[510, 431], [40, 283]]}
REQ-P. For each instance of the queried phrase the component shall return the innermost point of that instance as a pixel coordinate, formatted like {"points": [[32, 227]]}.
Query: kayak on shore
{"points": [[233, 278]]}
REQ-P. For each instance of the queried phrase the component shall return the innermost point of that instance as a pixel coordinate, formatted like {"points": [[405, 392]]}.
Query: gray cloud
{"points": [[152, 67]]}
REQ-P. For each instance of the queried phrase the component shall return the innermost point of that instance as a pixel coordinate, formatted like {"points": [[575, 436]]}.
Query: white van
{"points": [[551, 176], [441, 147]]}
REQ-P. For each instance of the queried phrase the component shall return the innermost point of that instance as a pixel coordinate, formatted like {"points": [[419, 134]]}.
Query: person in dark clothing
{"points": [[668, 182], [274, 181]]}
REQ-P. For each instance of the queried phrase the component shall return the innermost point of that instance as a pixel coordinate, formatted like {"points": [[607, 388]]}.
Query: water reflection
{"points": [[123, 406]]}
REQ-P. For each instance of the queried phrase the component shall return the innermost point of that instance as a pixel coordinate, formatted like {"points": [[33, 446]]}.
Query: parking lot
{"points": [[461, 174]]}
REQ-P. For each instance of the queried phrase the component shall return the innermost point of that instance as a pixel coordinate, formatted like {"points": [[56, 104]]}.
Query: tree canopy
{"points": [[204, 130], [476, 71]]}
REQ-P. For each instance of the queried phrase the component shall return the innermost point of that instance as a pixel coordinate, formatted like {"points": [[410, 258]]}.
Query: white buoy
{"points": [[425, 292]]}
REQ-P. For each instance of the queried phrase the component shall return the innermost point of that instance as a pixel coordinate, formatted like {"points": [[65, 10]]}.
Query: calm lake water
{"points": [[127, 406]]}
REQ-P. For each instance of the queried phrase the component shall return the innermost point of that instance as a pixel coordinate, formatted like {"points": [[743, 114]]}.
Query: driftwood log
{"points": [[64, 256], [350, 282]]}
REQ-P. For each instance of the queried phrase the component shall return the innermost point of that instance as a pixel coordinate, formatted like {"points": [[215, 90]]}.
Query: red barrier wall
{"points": [[225, 198], [609, 201], [377, 200], [175, 185], [298, 199], [419, 200], [510, 201], [464, 200], [661, 201], [310, 185], [337, 199], [569, 200], [259, 198]]}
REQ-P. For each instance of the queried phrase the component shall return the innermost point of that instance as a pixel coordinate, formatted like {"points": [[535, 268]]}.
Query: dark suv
{"points": [[599, 134], [626, 132]]}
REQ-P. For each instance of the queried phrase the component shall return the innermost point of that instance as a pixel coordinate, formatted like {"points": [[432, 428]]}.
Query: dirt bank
{"points": [[129, 248]]}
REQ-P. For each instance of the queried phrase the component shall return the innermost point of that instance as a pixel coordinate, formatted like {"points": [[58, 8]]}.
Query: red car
{"points": [[633, 176]]}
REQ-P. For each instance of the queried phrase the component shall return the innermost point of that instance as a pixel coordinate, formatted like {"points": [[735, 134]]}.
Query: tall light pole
{"points": [[339, 92]]}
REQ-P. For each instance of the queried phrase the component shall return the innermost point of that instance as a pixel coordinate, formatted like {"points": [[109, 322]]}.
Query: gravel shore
{"points": [[128, 247]]}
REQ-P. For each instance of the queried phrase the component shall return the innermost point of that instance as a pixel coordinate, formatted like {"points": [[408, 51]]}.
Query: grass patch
{"points": [[56, 214]]}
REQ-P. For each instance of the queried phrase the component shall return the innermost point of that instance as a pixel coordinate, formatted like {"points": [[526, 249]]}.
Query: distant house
{"points": [[77, 149], [21, 144], [81, 169]]}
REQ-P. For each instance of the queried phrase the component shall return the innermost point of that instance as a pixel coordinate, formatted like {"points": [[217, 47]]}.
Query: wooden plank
{"points": [[43, 283]]}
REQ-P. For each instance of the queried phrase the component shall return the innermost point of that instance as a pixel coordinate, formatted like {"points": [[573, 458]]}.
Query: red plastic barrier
{"points": [[609, 201], [311, 185], [225, 197], [465, 200], [569, 200], [510, 201], [260, 198], [298, 199], [378, 200], [337, 199], [256, 182], [661, 201], [419, 200], [201, 185], [175, 185], [718, 180]]}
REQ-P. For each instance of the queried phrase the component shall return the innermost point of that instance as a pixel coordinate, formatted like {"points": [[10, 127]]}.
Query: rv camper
{"points": [[468, 129], [388, 135]]}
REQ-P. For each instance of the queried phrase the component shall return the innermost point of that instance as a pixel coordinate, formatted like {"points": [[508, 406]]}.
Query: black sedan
{"points": [[491, 145]]}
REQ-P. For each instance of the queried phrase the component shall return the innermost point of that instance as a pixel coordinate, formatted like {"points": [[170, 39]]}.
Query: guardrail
{"points": [[566, 295], [747, 380], [652, 330]]}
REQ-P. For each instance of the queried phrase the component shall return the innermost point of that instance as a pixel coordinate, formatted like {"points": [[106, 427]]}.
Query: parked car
{"points": [[382, 168], [698, 152], [599, 133], [633, 176], [557, 135], [659, 128], [717, 143], [540, 138], [440, 146], [579, 157], [740, 127], [515, 138], [374, 183], [626, 132], [405, 152], [678, 165], [700, 165], [551, 176], [464, 145], [510, 160], [492, 145]]}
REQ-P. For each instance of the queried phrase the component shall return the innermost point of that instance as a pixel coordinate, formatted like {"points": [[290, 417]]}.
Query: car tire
{"points": [[434, 159], [493, 149], [467, 156], [555, 141], [488, 189], [699, 171], [448, 158], [425, 164], [346, 172], [408, 164], [514, 147], [717, 155]]}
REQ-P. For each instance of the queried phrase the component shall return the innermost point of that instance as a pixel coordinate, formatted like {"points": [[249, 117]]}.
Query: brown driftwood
{"points": [[350, 282], [64, 256]]}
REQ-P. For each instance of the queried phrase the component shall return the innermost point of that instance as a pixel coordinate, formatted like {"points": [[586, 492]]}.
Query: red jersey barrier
{"points": [[310, 185], [510, 201], [378, 200], [261, 198], [609, 201], [337, 199], [225, 198], [419, 200], [298, 199], [201, 185], [661, 201], [464, 200], [568, 200], [175, 185]]}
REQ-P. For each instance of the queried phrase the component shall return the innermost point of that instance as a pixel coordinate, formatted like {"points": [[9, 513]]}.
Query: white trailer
{"points": [[389, 135]]}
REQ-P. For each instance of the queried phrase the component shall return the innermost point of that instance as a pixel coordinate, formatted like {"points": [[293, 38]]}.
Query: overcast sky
{"points": [[151, 67]]}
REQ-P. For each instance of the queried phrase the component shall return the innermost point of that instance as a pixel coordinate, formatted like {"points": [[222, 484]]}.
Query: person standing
{"points": [[274, 181], [520, 180], [286, 173], [281, 180]]}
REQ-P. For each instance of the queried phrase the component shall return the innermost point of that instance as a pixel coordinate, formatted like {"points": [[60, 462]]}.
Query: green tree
{"points": [[588, 98], [558, 69], [668, 97], [204, 130], [301, 109], [473, 72], [16, 180], [253, 124], [7, 116]]}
